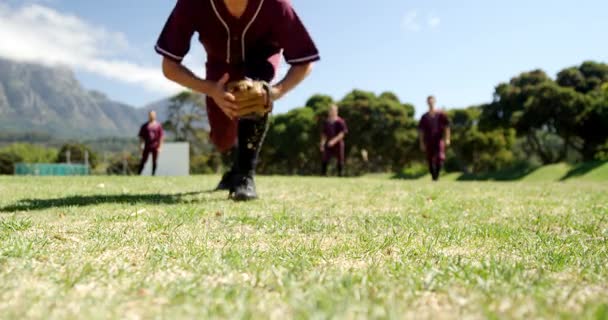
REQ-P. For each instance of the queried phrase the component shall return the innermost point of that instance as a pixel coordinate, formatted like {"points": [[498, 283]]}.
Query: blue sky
{"points": [[457, 50]]}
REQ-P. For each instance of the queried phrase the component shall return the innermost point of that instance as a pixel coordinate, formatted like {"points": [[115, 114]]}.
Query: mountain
{"points": [[50, 100]]}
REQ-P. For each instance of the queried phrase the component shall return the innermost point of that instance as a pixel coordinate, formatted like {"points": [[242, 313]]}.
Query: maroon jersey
{"points": [[249, 46], [433, 127], [152, 135], [332, 129]]}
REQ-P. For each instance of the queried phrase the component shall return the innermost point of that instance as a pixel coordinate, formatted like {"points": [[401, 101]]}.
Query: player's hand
{"points": [[448, 142], [331, 143], [224, 100], [322, 147], [422, 147], [275, 94]]}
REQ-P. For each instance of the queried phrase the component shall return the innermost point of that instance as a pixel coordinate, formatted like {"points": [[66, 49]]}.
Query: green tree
{"points": [[476, 151], [76, 153], [319, 103], [381, 126], [291, 144]]}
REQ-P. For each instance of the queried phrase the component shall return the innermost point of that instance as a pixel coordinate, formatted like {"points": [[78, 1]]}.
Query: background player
{"points": [[434, 129], [332, 140], [151, 137]]}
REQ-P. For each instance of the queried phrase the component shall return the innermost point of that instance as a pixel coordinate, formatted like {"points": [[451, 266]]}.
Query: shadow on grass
{"points": [[408, 176], [582, 169], [512, 174], [91, 200]]}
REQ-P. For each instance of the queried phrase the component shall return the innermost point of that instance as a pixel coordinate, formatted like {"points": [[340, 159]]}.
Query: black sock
{"points": [[340, 168], [229, 158], [436, 169], [251, 134], [141, 168], [154, 169], [324, 168]]}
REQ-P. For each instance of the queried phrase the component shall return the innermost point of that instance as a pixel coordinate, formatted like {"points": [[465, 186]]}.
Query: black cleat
{"points": [[244, 189], [227, 182]]}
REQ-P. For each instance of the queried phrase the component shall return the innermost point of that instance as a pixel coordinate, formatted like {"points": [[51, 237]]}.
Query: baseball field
{"points": [[311, 248]]}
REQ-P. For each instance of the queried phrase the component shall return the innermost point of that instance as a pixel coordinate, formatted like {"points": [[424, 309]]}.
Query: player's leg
{"points": [[223, 135], [229, 158], [251, 134], [154, 161], [325, 161], [341, 160], [144, 158]]}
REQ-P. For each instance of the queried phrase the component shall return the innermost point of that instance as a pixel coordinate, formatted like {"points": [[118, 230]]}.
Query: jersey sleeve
{"points": [[445, 120], [297, 44], [422, 124], [174, 40], [141, 132], [343, 127]]}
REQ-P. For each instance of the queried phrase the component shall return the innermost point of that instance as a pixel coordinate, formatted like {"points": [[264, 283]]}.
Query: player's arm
{"points": [[323, 141], [447, 132], [299, 49], [448, 136], [162, 139], [142, 143], [421, 139], [183, 76], [337, 139], [174, 44], [295, 75]]}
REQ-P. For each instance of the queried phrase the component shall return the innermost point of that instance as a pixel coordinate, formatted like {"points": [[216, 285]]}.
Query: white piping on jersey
{"points": [[247, 28], [314, 56], [168, 53], [227, 30]]}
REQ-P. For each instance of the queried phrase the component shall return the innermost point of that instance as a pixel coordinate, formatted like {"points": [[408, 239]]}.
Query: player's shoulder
{"points": [[278, 4]]}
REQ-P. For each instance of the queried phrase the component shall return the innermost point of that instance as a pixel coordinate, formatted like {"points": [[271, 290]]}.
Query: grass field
{"points": [[131, 248]]}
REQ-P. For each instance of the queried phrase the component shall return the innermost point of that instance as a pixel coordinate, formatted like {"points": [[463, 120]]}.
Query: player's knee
{"points": [[224, 144]]}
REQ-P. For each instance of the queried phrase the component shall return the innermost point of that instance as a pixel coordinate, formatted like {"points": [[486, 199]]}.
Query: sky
{"points": [[456, 50]]}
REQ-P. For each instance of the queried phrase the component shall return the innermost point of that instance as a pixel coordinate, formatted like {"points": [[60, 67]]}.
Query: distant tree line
{"points": [[532, 120]]}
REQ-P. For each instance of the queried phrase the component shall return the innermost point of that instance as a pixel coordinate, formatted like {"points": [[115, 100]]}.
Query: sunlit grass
{"points": [[100, 247]]}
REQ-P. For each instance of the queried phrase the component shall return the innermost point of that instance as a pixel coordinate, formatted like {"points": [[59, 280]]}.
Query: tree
{"points": [[291, 144], [478, 151], [186, 116], [319, 103], [585, 78], [381, 126], [77, 153]]}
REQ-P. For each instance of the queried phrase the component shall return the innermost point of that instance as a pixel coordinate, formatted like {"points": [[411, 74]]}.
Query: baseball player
{"points": [[244, 41], [151, 137], [332, 140], [434, 129]]}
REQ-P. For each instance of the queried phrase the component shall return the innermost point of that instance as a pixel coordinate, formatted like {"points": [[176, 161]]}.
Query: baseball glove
{"points": [[252, 97]]}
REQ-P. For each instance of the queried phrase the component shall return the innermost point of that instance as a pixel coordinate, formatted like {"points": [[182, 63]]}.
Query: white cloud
{"points": [[35, 33], [434, 21], [413, 21], [410, 21]]}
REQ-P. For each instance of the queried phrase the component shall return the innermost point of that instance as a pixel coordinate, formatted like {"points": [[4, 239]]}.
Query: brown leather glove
{"points": [[252, 97]]}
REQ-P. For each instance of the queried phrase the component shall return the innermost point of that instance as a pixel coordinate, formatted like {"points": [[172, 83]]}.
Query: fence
{"points": [[48, 169]]}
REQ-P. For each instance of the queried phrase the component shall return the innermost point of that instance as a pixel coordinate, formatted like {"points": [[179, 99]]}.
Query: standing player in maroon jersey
{"points": [[242, 38], [151, 137], [434, 129], [332, 140]]}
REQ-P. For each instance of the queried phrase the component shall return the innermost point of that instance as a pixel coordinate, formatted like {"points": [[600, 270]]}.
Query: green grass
{"points": [[590, 171], [110, 247]]}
